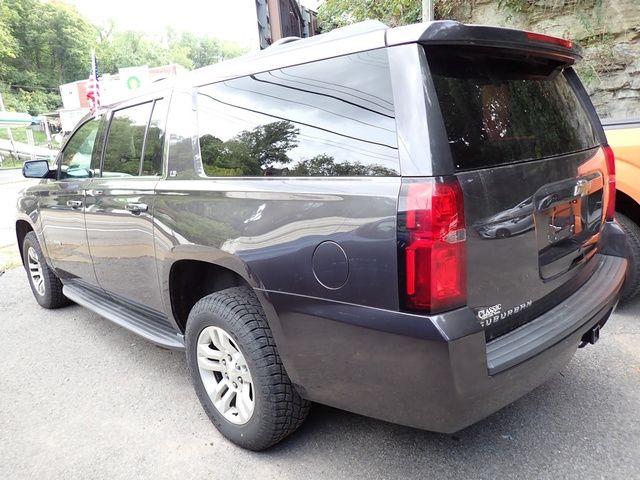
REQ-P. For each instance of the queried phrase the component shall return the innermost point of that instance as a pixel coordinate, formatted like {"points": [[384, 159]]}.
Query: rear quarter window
{"points": [[499, 110], [333, 117]]}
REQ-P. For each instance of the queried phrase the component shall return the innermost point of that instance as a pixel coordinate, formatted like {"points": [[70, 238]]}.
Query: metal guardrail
{"points": [[23, 150], [621, 122]]}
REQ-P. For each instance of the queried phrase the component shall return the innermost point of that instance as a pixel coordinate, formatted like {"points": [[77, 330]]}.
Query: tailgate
{"points": [[533, 177], [532, 229]]}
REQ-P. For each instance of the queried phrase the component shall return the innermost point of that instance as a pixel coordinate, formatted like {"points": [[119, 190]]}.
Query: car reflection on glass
{"points": [[514, 221]]}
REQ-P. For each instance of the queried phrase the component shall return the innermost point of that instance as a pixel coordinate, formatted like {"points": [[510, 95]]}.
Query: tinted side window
{"points": [[76, 156], [329, 118], [125, 140], [152, 159]]}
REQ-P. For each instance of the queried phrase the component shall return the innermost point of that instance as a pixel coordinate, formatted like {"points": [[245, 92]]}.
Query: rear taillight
{"points": [[432, 244], [611, 183], [539, 37]]}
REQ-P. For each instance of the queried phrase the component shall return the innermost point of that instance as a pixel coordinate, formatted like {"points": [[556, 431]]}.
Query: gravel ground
{"points": [[82, 398]]}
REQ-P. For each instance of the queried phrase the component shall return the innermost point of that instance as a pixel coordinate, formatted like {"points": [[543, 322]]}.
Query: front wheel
{"points": [[237, 372], [45, 285], [503, 233], [632, 283]]}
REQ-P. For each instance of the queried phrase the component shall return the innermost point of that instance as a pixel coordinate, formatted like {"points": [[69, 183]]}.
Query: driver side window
{"points": [[76, 156]]}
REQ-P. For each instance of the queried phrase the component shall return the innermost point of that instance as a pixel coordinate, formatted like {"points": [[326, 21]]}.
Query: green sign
{"points": [[133, 82]]}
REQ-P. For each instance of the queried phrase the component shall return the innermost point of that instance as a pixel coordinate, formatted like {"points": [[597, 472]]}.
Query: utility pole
{"points": [[427, 10]]}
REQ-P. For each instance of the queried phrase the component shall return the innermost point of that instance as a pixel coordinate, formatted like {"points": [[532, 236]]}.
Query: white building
{"points": [[112, 89]]}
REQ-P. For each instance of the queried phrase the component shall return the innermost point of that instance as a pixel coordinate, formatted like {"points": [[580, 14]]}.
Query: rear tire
{"points": [[231, 325], [45, 285], [632, 283]]}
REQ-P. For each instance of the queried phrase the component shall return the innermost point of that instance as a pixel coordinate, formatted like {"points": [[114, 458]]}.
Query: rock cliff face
{"points": [[607, 30]]}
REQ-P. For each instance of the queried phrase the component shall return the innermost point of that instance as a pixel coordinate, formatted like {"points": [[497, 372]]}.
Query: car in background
{"points": [[624, 139], [507, 223]]}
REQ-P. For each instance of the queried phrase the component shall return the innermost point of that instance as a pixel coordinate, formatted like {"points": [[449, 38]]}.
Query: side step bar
{"points": [[129, 318]]}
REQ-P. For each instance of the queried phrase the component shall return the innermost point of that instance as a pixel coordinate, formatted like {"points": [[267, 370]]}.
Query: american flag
{"points": [[93, 89]]}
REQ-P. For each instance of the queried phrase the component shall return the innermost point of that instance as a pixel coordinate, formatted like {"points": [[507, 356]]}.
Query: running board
{"points": [[132, 319]]}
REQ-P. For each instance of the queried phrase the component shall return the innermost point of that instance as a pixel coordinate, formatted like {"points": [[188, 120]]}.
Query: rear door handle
{"points": [[74, 203], [137, 207]]}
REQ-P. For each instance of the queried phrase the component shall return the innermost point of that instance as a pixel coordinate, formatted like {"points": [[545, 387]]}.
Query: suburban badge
{"points": [[493, 314]]}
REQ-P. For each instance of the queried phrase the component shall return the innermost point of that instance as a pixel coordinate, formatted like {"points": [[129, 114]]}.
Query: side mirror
{"points": [[35, 169]]}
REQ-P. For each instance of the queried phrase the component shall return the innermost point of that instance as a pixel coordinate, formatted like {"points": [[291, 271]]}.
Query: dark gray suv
{"points": [[414, 224]]}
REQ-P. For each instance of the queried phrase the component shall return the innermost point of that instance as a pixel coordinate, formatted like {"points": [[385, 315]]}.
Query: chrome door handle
{"points": [[74, 203], [137, 207]]}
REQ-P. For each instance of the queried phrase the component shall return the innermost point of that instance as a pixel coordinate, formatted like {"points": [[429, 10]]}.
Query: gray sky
{"points": [[233, 20]]}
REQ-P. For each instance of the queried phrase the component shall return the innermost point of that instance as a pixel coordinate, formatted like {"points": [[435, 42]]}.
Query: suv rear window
{"points": [[499, 109]]}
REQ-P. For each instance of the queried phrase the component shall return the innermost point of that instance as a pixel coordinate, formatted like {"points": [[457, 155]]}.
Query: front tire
{"points": [[237, 372], [632, 283], [45, 285]]}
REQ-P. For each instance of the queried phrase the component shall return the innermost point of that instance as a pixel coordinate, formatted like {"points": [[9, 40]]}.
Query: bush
{"points": [[34, 103]]}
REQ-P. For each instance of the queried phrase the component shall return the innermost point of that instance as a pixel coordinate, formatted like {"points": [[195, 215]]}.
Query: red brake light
{"points": [[539, 37], [611, 183], [432, 243]]}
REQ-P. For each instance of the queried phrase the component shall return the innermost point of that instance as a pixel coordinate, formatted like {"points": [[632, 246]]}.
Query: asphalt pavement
{"points": [[81, 398]]}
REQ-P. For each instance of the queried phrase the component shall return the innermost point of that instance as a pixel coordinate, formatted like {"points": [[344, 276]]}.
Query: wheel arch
{"points": [[220, 270], [22, 228], [192, 279]]}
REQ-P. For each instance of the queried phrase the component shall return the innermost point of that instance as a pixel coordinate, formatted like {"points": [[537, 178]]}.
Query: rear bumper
{"points": [[436, 373], [590, 305]]}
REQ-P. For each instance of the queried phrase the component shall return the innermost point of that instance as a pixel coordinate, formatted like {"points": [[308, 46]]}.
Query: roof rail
{"points": [[283, 40], [336, 34], [356, 28]]}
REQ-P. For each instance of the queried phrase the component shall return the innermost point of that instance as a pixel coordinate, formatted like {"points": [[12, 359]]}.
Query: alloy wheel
{"points": [[225, 375], [35, 271]]}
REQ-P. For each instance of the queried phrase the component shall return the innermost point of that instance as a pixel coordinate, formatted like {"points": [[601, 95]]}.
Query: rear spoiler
{"points": [[448, 32]]}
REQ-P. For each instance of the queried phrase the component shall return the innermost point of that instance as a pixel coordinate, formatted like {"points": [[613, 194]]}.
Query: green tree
{"points": [[47, 43], [129, 49], [34, 102], [118, 49], [52, 43], [338, 13], [193, 51], [26, 65], [69, 37], [8, 44]]}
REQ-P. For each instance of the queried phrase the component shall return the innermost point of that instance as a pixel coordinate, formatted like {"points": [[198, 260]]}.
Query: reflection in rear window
{"points": [[501, 110]]}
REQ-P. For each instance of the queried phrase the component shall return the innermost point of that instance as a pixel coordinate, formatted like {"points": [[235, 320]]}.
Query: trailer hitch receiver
{"points": [[592, 336]]}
